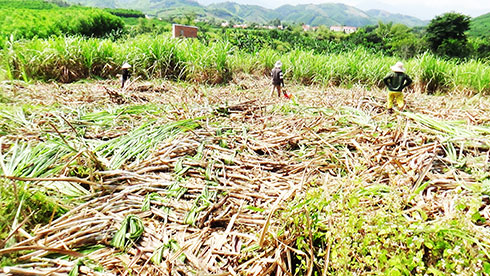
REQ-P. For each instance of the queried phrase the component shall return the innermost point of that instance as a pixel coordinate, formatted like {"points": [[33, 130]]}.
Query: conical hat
{"points": [[398, 67]]}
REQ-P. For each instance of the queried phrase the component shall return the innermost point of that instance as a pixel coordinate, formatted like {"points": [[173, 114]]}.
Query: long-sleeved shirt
{"points": [[396, 81], [277, 76]]}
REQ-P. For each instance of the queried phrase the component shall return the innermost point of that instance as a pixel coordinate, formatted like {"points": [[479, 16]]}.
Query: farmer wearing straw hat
{"points": [[396, 81], [277, 79], [125, 73]]}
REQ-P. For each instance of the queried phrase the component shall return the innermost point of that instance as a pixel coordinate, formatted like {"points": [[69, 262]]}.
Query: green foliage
{"points": [[3, 98], [391, 39], [19, 201], [140, 25], [480, 26], [68, 59], [38, 161], [84, 262], [165, 249], [251, 41], [200, 204], [59, 58], [432, 72], [33, 18], [435, 74], [480, 48], [446, 35], [355, 229], [136, 145], [126, 13], [29, 4], [130, 231]]}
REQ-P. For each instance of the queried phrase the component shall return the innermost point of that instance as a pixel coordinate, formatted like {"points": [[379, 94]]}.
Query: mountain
{"points": [[167, 7], [152, 7], [480, 26], [324, 14], [312, 14], [385, 16], [247, 13]]}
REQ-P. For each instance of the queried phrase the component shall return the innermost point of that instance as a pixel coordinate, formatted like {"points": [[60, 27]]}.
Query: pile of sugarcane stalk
{"points": [[207, 198]]}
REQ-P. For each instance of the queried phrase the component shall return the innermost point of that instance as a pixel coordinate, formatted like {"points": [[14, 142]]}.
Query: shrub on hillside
{"points": [[45, 20]]}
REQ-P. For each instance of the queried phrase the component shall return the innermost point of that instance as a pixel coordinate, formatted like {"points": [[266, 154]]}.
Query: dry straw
{"points": [[205, 200]]}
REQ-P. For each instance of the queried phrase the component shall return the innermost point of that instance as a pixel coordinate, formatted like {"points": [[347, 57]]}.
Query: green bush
{"points": [[29, 19], [252, 41], [126, 13], [365, 230], [24, 202]]}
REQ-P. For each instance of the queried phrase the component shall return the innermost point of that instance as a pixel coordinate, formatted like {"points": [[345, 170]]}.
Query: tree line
{"points": [[445, 36]]}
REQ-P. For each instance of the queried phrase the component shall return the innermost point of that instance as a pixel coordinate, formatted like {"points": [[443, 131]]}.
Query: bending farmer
{"points": [[396, 81]]}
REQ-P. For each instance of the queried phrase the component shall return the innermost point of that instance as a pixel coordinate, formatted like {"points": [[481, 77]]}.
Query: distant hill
{"points": [[246, 13], [312, 14], [480, 26], [324, 14], [385, 16]]}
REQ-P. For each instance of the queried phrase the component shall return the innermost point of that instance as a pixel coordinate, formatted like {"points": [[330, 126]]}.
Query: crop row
{"points": [[69, 59]]}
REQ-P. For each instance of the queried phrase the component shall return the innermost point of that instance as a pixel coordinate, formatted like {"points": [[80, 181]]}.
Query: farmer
{"points": [[125, 73], [396, 81], [277, 80]]}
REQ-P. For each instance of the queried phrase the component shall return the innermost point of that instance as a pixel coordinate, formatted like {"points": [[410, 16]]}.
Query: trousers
{"points": [[395, 96], [278, 88]]}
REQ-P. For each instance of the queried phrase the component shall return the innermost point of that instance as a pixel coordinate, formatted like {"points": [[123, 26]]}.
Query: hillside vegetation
{"points": [[338, 14], [36, 18], [333, 14], [480, 26], [384, 16]]}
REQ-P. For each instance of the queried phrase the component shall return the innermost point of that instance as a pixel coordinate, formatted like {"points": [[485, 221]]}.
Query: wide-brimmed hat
{"points": [[278, 64], [126, 66], [398, 67]]}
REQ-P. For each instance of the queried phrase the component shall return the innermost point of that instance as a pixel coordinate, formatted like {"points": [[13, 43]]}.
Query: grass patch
{"points": [[350, 228], [19, 201]]}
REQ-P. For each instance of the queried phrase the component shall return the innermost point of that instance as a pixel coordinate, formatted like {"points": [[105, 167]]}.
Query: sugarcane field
{"points": [[210, 138], [169, 178]]}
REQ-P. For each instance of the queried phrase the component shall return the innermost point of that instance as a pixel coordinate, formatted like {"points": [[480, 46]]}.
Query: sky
{"points": [[421, 9]]}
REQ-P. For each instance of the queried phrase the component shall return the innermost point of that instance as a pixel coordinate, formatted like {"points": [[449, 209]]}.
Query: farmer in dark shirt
{"points": [[396, 81], [125, 73], [277, 80]]}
